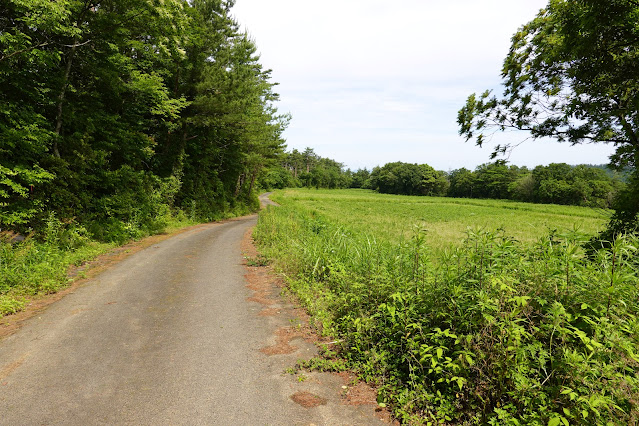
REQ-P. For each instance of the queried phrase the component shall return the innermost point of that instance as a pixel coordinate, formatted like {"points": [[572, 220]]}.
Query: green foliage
{"points": [[491, 331], [557, 183], [408, 179], [117, 115], [276, 177], [626, 216], [322, 364], [24, 132], [312, 171], [37, 266], [135, 204], [10, 305], [462, 183], [493, 180], [360, 179], [569, 74], [17, 183]]}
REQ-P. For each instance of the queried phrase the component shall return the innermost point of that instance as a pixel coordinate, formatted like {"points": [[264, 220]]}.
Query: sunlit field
{"points": [[445, 220], [498, 313]]}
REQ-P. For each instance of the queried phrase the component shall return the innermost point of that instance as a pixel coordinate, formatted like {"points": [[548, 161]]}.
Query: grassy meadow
{"points": [[466, 312], [445, 220]]}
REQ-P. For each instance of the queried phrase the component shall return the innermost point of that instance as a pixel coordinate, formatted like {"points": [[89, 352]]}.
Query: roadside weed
{"points": [[489, 329]]}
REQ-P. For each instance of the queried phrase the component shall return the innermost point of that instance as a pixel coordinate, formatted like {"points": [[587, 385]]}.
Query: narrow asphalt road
{"points": [[165, 337]]}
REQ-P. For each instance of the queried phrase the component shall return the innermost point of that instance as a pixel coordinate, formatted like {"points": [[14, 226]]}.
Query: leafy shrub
{"points": [[38, 265], [10, 305], [491, 332], [134, 204]]}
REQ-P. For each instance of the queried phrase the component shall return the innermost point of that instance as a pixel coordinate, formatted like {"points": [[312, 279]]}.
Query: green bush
{"points": [[134, 204], [490, 332], [39, 264]]}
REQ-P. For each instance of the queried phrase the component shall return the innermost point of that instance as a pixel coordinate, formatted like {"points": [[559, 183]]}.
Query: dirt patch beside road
{"points": [[267, 289]]}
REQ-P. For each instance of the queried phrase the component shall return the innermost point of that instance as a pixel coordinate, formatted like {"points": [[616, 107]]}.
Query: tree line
{"points": [[308, 169], [556, 183], [115, 114]]}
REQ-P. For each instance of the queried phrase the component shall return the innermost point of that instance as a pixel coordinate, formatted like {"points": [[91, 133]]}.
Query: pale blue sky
{"points": [[370, 81]]}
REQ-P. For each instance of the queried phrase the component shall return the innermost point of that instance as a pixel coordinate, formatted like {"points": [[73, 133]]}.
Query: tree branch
{"points": [[73, 46], [17, 52]]}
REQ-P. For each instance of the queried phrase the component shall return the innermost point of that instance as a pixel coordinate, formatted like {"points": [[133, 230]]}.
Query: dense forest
{"points": [[116, 115]]}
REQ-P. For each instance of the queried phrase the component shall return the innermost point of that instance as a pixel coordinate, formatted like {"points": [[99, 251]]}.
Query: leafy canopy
{"points": [[571, 73], [118, 113]]}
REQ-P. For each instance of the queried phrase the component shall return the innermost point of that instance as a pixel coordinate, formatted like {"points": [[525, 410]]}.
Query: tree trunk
{"points": [[61, 96], [253, 177], [238, 187]]}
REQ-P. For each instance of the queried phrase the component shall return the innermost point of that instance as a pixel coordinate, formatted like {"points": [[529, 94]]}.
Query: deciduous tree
{"points": [[571, 74]]}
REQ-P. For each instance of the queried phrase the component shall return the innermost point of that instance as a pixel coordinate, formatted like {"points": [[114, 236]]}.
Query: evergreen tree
{"points": [[115, 112]]}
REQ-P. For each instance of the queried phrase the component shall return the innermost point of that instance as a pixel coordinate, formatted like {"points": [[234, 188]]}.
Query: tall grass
{"points": [[489, 330], [445, 219], [39, 265]]}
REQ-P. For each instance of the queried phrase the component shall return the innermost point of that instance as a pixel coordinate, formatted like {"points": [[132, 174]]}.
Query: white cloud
{"points": [[368, 82]]}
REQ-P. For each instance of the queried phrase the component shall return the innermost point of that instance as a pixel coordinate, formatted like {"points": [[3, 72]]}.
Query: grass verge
{"points": [[40, 266], [488, 329]]}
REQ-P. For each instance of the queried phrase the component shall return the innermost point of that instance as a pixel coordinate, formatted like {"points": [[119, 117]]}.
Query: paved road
{"points": [[166, 337], [266, 201]]}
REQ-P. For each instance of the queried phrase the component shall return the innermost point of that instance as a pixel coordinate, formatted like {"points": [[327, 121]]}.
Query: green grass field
{"points": [[463, 324], [445, 220]]}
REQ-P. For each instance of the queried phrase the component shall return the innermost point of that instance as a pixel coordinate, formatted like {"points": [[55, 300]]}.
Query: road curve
{"points": [[266, 201], [166, 337]]}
